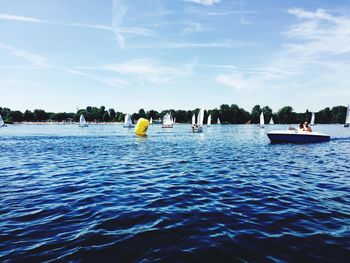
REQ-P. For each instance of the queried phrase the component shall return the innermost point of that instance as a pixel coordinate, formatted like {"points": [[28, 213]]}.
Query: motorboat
{"points": [[293, 136]]}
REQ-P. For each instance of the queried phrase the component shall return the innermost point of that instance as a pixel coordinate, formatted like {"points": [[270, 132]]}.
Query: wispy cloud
{"points": [[181, 45], [194, 27], [204, 2], [19, 18], [313, 60], [34, 59]]}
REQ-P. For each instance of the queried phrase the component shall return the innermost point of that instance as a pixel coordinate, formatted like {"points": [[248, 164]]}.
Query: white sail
{"points": [[151, 121], [312, 122], [271, 121], [194, 119], [347, 119], [127, 120], [174, 120], [200, 117], [219, 122], [82, 121], [167, 120], [209, 120], [2, 123], [262, 121]]}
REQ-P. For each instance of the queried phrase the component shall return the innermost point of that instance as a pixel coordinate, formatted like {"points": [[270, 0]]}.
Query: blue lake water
{"points": [[103, 194]]}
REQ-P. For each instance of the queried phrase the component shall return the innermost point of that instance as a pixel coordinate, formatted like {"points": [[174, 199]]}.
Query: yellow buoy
{"points": [[141, 127]]}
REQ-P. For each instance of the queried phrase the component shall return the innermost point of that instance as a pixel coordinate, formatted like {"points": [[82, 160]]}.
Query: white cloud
{"points": [[204, 2], [194, 27], [149, 70], [19, 18], [34, 59]]}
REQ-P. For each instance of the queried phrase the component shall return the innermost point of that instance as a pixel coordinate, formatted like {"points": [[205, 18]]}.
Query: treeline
{"points": [[230, 114]]}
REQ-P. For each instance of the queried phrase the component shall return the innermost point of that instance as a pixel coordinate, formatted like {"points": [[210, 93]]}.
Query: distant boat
{"points": [[82, 121], [271, 121], [2, 123], [291, 136], [198, 128], [128, 121], [167, 121], [218, 122], [174, 120], [151, 121], [262, 121], [347, 118], [209, 121], [312, 122]]}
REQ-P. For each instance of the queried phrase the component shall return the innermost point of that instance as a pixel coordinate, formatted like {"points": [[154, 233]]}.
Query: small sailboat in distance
{"points": [[198, 128], [262, 121], [312, 122], [82, 121], [151, 121], [209, 121], [2, 123], [271, 121], [167, 121], [128, 121], [218, 122], [347, 118]]}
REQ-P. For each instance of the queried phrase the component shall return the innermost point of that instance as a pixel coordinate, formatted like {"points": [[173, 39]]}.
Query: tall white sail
{"points": [[167, 120], [271, 121], [312, 122], [174, 120], [209, 120], [127, 120], [82, 121], [219, 122], [151, 121], [200, 119], [262, 121], [347, 118], [194, 119], [2, 123]]}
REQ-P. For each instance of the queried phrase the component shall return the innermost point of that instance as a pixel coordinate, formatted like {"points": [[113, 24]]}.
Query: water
{"points": [[102, 194]]}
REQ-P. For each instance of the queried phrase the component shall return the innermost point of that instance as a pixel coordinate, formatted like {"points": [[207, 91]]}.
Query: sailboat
{"points": [[347, 118], [312, 122], [218, 122], [209, 121], [128, 121], [2, 123], [200, 118], [151, 121], [271, 121], [82, 121], [262, 121], [167, 121]]}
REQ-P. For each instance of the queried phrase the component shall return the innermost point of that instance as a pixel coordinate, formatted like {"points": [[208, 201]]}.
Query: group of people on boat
{"points": [[303, 127]]}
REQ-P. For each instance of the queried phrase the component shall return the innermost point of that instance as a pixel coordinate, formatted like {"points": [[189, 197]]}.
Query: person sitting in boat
{"points": [[307, 127], [301, 127]]}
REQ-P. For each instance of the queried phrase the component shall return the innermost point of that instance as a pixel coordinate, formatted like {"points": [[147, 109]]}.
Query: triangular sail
{"points": [[167, 120], [271, 121], [347, 119], [200, 117], [209, 120], [262, 121], [312, 122], [151, 121], [82, 121], [127, 120], [219, 122], [194, 119], [2, 123]]}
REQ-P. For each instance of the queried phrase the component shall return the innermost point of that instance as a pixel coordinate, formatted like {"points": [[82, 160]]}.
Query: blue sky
{"points": [[159, 54]]}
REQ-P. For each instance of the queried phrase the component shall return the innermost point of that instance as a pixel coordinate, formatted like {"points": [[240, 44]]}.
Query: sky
{"points": [[60, 55]]}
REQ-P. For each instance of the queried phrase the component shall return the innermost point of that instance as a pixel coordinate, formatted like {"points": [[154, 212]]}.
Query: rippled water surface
{"points": [[102, 194]]}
